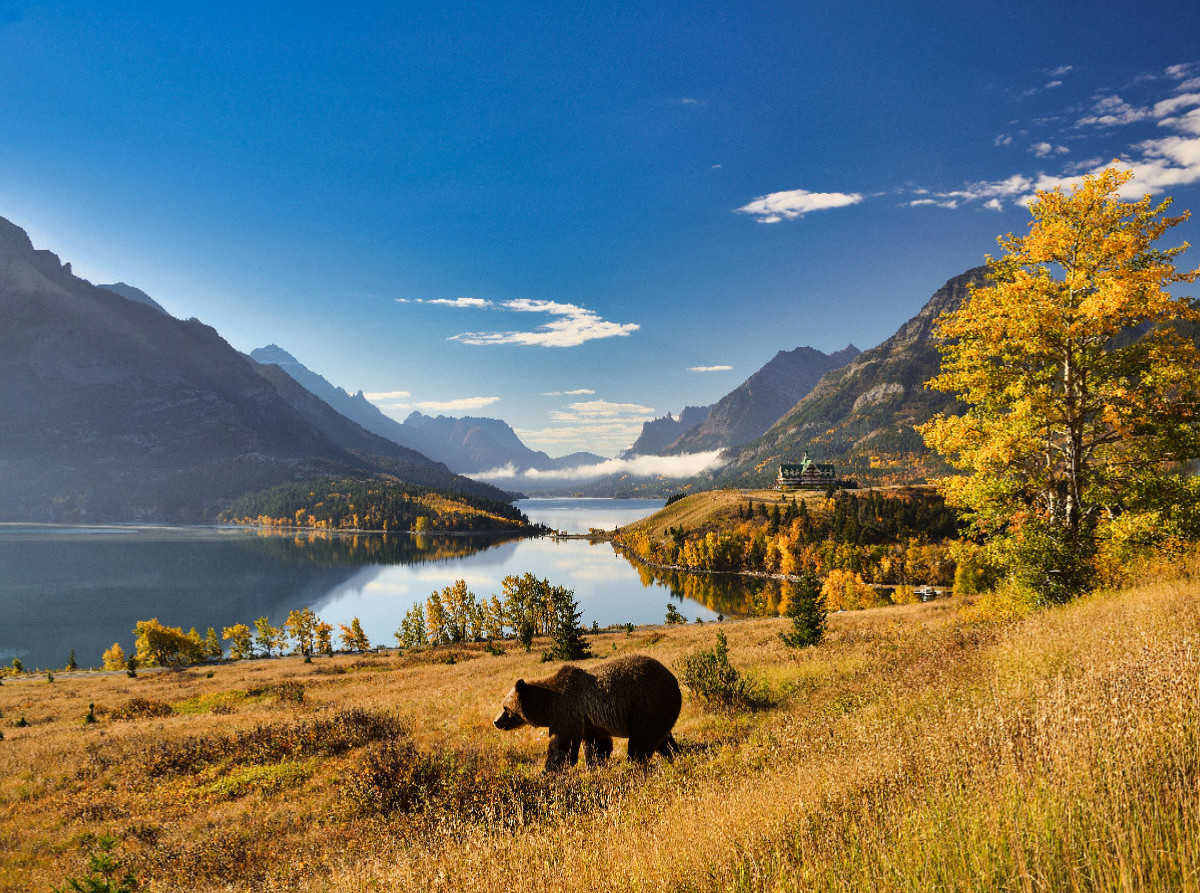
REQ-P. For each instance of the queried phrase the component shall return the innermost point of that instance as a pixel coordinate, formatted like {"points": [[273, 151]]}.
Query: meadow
{"points": [[918, 747]]}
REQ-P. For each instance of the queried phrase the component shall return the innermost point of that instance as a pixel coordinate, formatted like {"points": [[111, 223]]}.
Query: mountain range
{"points": [[466, 445], [112, 409]]}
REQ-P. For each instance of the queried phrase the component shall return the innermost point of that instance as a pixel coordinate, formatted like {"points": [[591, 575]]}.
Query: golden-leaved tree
{"points": [[1080, 383]]}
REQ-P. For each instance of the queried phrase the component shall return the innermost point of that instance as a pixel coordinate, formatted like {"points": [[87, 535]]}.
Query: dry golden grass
{"points": [[910, 751]]}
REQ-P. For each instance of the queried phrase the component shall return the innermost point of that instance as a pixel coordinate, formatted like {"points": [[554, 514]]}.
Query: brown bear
{"points": [[632, 697]]}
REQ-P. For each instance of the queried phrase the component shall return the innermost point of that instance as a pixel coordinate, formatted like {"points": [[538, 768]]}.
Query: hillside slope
{"points": [[750, 409], [112, 410], [860, 417]]}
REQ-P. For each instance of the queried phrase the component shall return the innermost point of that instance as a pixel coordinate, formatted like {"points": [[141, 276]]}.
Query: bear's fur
{"points": [[632, 697]]}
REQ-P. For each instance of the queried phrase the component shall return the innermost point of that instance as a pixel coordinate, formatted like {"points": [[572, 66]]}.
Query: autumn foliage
{"points": [[1080, 386]]}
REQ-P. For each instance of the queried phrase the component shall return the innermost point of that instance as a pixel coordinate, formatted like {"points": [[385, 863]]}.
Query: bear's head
{"points": [[512, 708]]}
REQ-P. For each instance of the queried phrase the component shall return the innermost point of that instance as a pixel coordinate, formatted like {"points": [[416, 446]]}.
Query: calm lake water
{"points": [[83, 588]]}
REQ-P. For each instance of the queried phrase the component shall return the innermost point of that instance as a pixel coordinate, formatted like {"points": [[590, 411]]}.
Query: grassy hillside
{"points": [[910, 751]]}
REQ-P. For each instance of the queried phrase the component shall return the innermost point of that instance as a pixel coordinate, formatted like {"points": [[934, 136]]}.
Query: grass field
{"points": [[910, 751]]}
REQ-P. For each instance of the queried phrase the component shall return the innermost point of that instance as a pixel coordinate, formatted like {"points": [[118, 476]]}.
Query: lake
{"points": [[83, 588]]}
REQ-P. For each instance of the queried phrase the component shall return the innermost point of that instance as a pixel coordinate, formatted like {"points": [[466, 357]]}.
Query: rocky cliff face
{"points": [[658, 434], [861, 416], [756, 404], [112, 410]]}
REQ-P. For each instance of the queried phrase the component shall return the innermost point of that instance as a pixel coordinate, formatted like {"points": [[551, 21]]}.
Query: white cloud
{"points": [[601, 410], [1111, 111], [795, 203], [601, 426], [1189, 123], [709, 368], [401, 401], [687, 100], [463, 404], [1047, 150], [637, 466], [1061, 70], [570, 326], [472, 303], [1158, 164], [388, 396], [1050, 85], [578, 392]]}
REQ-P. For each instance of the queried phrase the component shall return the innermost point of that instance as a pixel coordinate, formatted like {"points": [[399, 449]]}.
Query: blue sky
{"points": [[570, 216]]}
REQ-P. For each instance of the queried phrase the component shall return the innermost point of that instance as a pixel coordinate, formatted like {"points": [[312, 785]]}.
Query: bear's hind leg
{"points": [[669, 747]]}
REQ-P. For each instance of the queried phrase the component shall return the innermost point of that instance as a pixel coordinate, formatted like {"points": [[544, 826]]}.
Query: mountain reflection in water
{"points": [[81, 589]]}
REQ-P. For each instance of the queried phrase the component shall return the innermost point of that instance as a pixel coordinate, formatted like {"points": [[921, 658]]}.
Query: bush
{"points": [[717, 683], [464, 787]]}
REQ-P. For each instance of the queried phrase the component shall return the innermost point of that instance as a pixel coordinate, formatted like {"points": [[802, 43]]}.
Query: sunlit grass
{"points": [[910, 751]]}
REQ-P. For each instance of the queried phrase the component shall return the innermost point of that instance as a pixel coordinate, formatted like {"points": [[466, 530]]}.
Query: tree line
{"points": [[883, 539], [348, 504], [526, 607]]}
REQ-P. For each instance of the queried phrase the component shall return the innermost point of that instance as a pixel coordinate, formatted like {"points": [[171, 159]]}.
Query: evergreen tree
{"points": [[567, 642], [806, 610]]}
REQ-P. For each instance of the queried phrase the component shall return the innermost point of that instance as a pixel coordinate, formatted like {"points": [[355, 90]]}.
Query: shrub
{"points": [[717, 683], [106, 873], [904, 595], [673, 615]]}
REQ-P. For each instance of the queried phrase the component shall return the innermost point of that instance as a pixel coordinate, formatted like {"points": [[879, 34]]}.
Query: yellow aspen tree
{"points": [[1080, 387]]}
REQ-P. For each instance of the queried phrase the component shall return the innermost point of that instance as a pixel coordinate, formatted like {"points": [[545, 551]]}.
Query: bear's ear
{"points": [[520, 686]]}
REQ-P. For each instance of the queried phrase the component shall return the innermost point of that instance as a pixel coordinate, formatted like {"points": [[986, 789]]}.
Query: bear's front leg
{"points": [[563, 751]]}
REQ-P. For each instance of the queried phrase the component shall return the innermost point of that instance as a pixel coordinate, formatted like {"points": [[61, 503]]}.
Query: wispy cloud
{"points": [[1048, 150], [789, 205], [401, 401], [473, 303], [578, 392], [606, 427], [601, 410], [462, 404], [637, 466], [389, 396], [570, 326], [1158, 163], [709, 368]]}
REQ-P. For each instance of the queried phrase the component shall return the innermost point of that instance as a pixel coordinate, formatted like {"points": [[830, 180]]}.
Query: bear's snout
{"points": [[507, 720]]}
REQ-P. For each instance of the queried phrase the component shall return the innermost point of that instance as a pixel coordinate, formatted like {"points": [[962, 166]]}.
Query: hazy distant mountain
{"points": [[113, 410], [355, 407], [470, 445], [658, 434], [467, 445], [134, 294], [755, 405], [860, 417]]}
